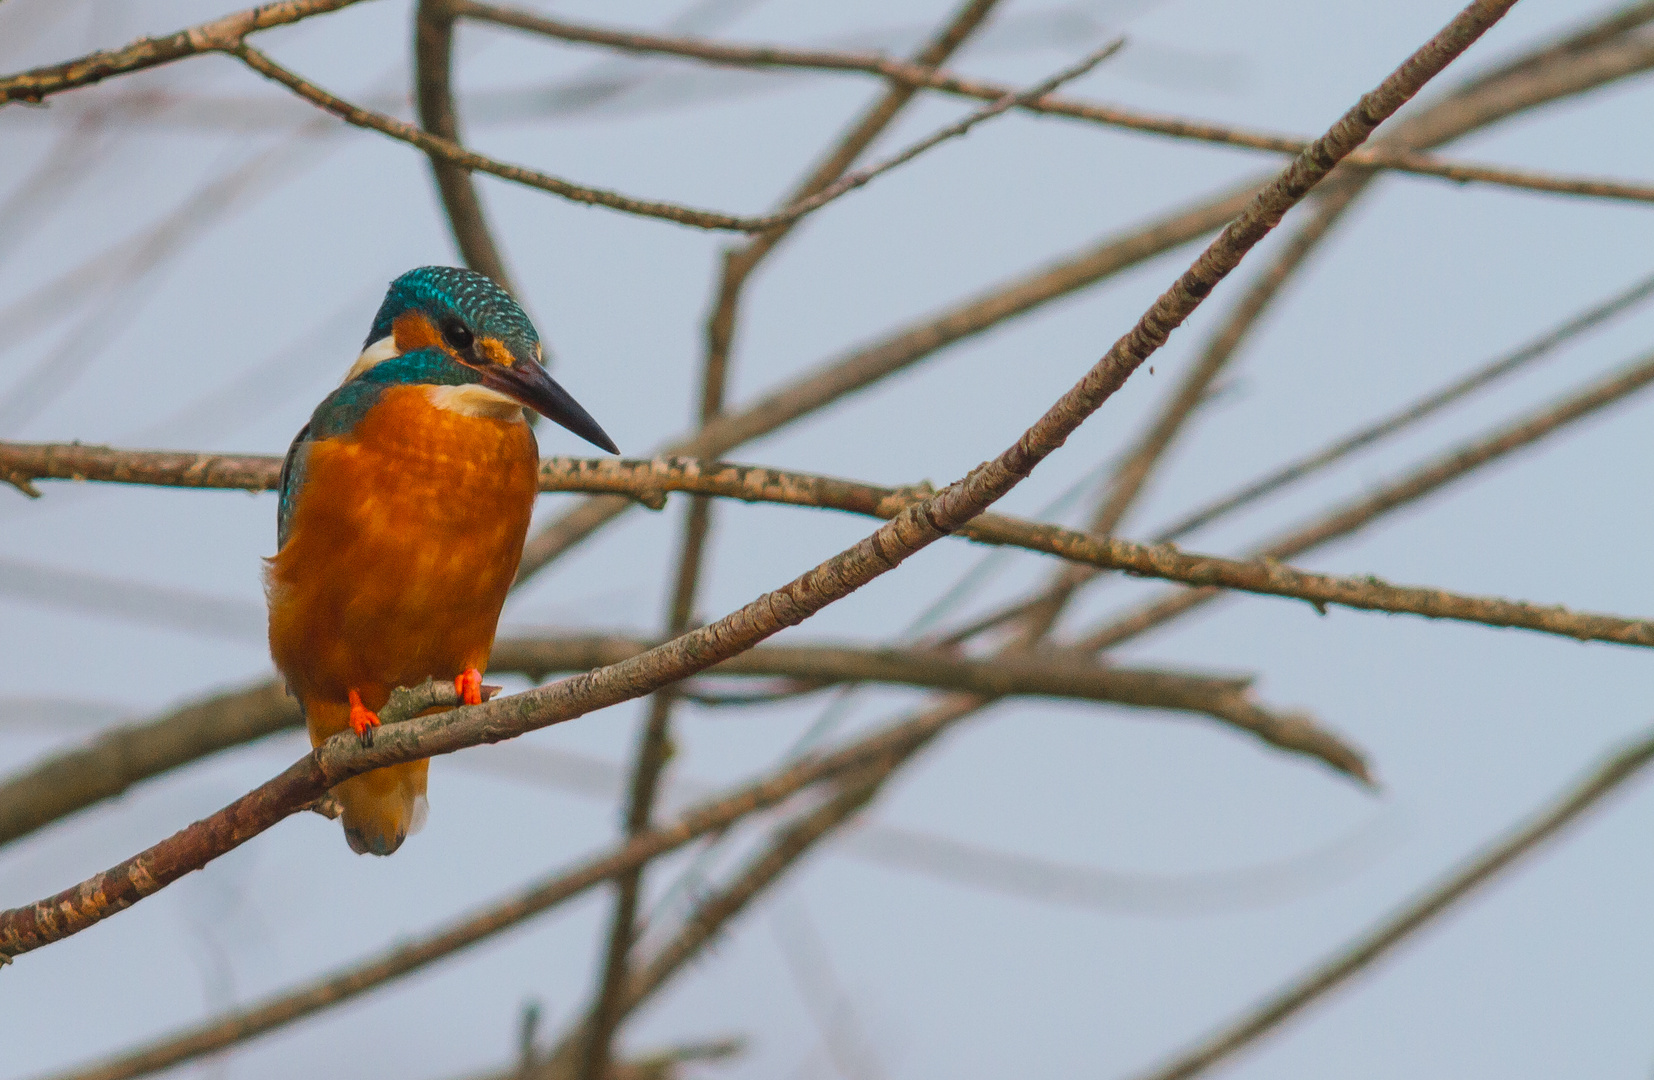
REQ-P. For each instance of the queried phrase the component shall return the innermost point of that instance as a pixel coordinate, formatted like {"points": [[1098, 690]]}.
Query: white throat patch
{"points": [[474, 400], [376, 353]]}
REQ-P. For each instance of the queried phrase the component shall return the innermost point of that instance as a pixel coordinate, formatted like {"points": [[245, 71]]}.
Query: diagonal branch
{"points": [[219, 35], [1366, 950], [33, 926], [710, 816], [1485, 101]]}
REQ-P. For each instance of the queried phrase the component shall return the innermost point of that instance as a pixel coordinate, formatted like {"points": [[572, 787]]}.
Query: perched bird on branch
{"points": [[404, 505]]}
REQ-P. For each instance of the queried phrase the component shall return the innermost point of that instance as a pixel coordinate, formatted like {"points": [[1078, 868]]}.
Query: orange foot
{"points": [[468, 685], [362, 719]]}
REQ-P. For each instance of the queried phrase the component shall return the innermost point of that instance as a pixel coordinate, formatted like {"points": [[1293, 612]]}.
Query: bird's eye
{"points": [[456, 334]]}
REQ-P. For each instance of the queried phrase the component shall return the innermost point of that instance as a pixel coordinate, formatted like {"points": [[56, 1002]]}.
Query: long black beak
{"points": [[528, 382]]}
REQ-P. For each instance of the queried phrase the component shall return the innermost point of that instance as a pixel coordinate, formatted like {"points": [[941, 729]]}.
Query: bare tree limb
{"points": [[1262, 573], [1372, 946]]}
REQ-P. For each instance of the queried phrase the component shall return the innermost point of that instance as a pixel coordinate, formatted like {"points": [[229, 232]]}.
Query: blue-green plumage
{"points": [[342, 410], [485, 307]]}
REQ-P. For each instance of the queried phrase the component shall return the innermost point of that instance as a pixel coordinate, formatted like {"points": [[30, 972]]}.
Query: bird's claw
{"points": [[468, 685], [362, 719]]}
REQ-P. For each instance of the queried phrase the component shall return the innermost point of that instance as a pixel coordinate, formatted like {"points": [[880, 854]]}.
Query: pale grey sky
{"points": [[250, 319]]}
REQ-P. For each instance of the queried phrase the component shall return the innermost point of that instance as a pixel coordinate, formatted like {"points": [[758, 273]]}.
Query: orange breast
{"points": [[404, 540]]}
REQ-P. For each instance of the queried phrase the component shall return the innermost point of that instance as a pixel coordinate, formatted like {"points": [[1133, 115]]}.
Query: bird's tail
{"points": [[382, 807]]}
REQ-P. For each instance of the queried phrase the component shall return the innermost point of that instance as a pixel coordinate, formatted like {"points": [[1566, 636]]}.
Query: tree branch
{"points": [[710, 816], [219, 35]]}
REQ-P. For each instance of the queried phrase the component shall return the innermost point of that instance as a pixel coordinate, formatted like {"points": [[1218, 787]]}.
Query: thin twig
{"points": [[1412, 486], [33, 926], [455, 154], [219, 35], [1010, 100], [1376, 943], [1481, 378]]}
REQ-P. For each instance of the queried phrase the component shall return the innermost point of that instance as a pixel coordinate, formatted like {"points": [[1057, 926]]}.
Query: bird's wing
{"points": [[292, 478]]}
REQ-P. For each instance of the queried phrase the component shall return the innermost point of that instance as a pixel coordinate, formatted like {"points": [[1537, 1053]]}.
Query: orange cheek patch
{"points": [[414, 331], [494, 350]]}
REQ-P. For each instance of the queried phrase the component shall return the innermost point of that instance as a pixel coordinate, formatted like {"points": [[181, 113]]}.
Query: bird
{"points": [[404, 505]]}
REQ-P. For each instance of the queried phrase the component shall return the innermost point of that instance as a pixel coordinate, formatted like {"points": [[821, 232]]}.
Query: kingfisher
{"points": [[404, 505]]}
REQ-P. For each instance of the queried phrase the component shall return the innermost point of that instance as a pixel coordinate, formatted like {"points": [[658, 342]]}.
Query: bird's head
{"points": [[449, 327]]}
